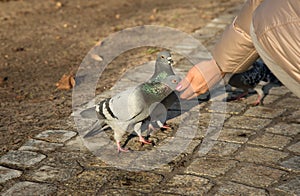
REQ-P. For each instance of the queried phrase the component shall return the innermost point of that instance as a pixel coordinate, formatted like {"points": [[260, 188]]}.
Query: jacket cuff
{"points": [[234, 52]]}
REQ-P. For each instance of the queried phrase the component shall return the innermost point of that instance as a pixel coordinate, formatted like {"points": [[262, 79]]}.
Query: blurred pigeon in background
{"points": [[251, 78]]}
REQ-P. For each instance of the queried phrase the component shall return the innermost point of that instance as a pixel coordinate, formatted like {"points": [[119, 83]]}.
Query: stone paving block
{"points": [[22, 159], [226, 107], [114, 192], [155, 159], [235, 135], [280, 90], [190, 132], [76, 144], [212, 167], [212, 119], [271, 141], [39, 145], [261, 155], [290, 129], [293, 103], [264, 112], [187, 185], [244, 122], [295, 148], [270, 99], [52, 174], [291, 187], [7, 174], [294, 117], [30, 188], [232, 188], [178, 145], [87, 183], [218, 148], [256, 175], [59, 136], [135, 180], [292, 163]]}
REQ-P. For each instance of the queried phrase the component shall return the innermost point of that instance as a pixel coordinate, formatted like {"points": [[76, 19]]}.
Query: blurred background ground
{"points": [[40, 41]]}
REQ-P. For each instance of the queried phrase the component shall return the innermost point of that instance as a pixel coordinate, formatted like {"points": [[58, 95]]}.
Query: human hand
{"points": [[200, 78]]}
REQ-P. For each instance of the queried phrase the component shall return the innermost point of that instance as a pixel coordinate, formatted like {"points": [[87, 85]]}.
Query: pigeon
{"points": [[251, 78], [127, 110]]}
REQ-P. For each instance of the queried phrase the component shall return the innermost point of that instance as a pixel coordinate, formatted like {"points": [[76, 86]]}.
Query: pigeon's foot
{"points": [[166, 127], [144, 141], [241, 96], [120, 149], [258, 101], [151, 128]]}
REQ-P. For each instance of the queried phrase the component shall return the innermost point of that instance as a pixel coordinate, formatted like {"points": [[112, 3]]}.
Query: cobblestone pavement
{"points": [[256, 153]]}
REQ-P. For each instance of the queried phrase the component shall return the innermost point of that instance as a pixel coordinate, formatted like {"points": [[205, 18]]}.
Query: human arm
{"points": [[234, 52]]}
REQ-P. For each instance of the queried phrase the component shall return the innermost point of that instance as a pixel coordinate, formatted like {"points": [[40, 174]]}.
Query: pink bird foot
{"points": [[166, 127], [120, 149], [257, 102], [144, 141]]}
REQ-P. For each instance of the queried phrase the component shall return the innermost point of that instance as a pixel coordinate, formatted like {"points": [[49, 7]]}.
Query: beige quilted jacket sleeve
{"points": [[235, 52]]}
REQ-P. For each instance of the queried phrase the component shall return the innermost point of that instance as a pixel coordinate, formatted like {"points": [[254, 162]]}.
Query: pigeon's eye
{"points": [[162, 57], [174, 81]]}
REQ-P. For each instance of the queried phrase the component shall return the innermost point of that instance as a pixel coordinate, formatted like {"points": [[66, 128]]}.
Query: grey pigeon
{"points": [[127, 110], [251, 78]]}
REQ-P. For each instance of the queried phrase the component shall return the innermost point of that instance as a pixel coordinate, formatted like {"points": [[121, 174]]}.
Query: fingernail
{"points": [[178, 87]]}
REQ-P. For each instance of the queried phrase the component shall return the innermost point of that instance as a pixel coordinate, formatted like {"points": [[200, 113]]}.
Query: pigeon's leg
{"points": [[120, 149], [260, 95], [242, 95], [161, 125], [137, 129], [142, 139], [151, 128]]}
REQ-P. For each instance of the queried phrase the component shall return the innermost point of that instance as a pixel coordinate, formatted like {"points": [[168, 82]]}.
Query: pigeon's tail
{"points": [[95, 129], [95, 112]]}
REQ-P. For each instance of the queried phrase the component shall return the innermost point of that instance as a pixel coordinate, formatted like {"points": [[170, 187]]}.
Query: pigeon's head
{"points": [[164, 57], [171, 81]]}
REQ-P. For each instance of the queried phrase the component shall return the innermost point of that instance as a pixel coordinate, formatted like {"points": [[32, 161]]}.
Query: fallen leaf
{"points": [[66, 82], [72, 81], [152, 17], [117, 16], [58, 4], [96, 57]]}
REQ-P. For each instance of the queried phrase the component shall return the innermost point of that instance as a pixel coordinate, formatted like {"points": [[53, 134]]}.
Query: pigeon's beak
{"points": [[170, 61]]}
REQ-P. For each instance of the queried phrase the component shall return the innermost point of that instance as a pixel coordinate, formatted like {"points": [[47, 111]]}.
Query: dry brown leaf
{"points": [[66, 82], [96, 57], [58, 4], [72, 81], [152, 17]]}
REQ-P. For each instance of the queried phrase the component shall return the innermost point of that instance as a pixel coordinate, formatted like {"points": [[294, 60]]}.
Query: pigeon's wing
{"points": [[126, 105]]}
